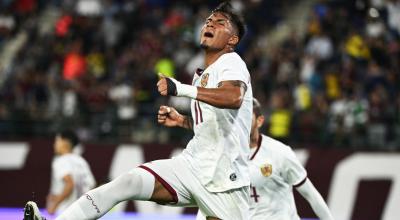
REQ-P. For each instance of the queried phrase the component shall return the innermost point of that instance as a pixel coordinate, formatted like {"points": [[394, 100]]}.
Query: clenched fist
{"points": [[166, 86], [169, 117], [170, 86]]}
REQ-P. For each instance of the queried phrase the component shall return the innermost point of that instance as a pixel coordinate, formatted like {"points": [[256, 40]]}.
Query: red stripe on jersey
{"points": [[301, 182], [196, 113], [201, 113], [163, 182]]}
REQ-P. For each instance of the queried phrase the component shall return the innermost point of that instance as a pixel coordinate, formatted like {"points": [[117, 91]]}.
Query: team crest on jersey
{"points": [[204, 80], [266, 169]]}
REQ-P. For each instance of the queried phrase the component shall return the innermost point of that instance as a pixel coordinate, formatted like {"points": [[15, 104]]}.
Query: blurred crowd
{"points": [[92, 65]]}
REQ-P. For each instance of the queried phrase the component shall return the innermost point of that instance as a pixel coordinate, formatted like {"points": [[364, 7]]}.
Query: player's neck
{"points": [[64, 152], [254, 139], [211, 56]]}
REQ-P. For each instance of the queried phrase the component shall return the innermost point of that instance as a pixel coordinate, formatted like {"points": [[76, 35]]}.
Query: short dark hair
{"points": [[70, 136], [226, 8], [256, 107]]}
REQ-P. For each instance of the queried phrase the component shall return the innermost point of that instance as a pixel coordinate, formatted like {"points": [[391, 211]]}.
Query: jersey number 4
{"points": [[253, 193]]}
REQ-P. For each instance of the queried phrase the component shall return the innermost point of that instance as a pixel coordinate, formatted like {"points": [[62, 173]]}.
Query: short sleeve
{"points": [[61, 168], [295, 173], [233, 68]]}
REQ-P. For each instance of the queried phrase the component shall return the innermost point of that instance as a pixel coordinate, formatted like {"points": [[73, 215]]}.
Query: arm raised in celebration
{"points": [[229, 94]]}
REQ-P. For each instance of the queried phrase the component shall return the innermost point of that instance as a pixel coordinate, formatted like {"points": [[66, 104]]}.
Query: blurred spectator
{"points": [[123, 95], [320, 46], [63, 25], [279, 121], [89, 7], [74, 66], [393, 9], [7, 24], [378, 117], [356, 47]]}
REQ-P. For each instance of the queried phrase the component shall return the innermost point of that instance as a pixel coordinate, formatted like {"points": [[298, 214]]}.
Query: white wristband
{"points": [[186, 90]]}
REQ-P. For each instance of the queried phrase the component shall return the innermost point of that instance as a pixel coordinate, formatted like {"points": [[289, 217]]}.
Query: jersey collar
{"points": [[199, 71], [258, 147]]}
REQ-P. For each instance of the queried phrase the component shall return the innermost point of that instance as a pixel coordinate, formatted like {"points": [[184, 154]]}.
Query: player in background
{"points": [[70, 177], [212, 172], [274, 172], [70, 174]]}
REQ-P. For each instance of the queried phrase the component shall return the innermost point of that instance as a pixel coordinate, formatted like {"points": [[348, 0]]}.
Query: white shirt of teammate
{"points": [[274, 170], [218, 152], [78, 168]]}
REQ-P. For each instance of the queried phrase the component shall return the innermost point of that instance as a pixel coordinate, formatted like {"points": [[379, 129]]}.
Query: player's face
{"points": [[60, 145], [217, 33]]}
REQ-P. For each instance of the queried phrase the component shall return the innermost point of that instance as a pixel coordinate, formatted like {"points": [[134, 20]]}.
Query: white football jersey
{"points": [[274, 170], [78, 168], [218, 152]]}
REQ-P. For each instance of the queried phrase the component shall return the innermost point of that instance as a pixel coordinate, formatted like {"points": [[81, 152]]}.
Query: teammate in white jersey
{"points": [[212, 172], [71, 175], [275, 171]]}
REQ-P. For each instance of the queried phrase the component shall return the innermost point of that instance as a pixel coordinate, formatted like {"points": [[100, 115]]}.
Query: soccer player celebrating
{"points": [[212, 172]]}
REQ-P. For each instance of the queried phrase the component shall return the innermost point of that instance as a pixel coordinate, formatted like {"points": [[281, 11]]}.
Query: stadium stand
{"points": [[91, 65]]}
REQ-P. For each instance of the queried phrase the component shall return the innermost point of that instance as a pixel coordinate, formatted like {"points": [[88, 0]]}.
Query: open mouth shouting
{"points": [[208, 34]]}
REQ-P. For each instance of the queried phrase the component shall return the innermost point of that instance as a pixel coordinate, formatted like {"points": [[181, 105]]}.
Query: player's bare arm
{"points": [[170, 117], [229, 94], [56, 200]]}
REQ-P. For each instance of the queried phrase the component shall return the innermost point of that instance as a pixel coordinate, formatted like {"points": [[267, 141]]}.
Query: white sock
{"points": [[137, 184]]}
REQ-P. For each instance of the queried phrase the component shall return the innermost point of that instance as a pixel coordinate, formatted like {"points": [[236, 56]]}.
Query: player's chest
{"points": [[207, 79], [202, 112], [266, 171]]}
